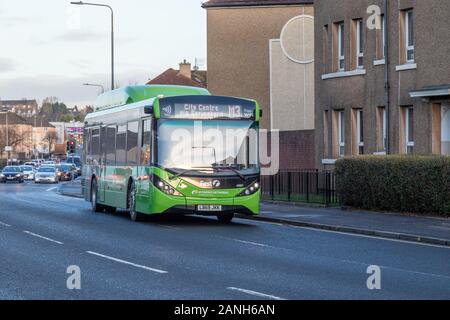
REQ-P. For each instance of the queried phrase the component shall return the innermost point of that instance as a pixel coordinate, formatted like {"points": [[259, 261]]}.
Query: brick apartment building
{"points": [[352, 113], [264, 50]]}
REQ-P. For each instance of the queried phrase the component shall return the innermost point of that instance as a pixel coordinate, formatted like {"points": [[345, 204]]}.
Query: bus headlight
{"points": [[254, 188], [164, 187]]}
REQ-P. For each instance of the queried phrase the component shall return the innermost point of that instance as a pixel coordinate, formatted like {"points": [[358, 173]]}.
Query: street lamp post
{"points": [[95, 85], [81, 3]]}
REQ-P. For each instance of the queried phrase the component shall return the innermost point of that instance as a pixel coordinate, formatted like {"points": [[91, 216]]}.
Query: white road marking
{"points": [[263, 222], [127, 262], [252, 243], [51, 189], [42, 237], [373, 237], [5, 225], [256, 294]]}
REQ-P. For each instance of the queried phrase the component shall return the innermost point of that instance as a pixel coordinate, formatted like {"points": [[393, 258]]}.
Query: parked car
{"points": [[13, 174], [66, 172], [28, 172], [46, 174]]}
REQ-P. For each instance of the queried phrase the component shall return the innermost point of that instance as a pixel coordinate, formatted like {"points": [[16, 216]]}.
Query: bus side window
{"points": [[146, 142], [132, 143], [111, 145], [95, 146], [87, 144], [121, 145]]}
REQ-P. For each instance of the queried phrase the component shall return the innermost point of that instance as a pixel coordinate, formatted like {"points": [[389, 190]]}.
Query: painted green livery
{"points": [[172, 149]]}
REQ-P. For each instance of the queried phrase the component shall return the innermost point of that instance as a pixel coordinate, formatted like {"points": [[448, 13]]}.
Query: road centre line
{"points": [[126, 262], [42, 237], [255, 293]]}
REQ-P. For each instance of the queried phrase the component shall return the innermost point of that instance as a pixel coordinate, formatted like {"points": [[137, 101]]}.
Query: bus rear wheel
{"points": [[225, 217], [94, 192], [134, 214]]}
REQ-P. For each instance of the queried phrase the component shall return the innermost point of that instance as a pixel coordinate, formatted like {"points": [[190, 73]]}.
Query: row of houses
{"points": [[337, 78]]}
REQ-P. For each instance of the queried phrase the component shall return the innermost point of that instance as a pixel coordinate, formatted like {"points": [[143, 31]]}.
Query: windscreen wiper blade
{"points": [[182, 173], [240, 175]]}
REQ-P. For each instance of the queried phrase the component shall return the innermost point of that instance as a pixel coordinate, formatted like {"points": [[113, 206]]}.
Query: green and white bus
{"points": [[155, 150]]}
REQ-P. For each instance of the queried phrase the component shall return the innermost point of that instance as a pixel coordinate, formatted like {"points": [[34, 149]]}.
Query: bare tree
{"points": [[50, 139], [13, 137]]}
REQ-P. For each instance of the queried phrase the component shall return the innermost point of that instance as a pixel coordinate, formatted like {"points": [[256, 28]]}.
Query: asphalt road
{"points": [[43, 233]]}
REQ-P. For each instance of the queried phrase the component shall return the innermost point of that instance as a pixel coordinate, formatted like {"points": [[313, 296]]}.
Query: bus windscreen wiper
{"points": [[240, 175], [183, 172]]}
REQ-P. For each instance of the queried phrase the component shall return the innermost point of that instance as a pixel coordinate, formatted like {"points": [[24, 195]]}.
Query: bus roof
{"points": [[133, 94]]}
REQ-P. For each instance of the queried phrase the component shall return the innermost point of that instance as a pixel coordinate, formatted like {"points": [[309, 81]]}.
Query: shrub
{"points": [[414, 184]]}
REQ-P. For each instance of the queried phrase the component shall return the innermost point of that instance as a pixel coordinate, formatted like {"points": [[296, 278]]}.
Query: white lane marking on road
{"points": [[42, 237], [251, 243], [398, 269], [263, 222], [373, 237], [5, 225], [51, 189], [127, 262], [256, 294]]}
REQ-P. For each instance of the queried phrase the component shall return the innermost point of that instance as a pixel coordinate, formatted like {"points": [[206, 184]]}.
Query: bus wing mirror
{"points": [[148, 110], [261, 113]]}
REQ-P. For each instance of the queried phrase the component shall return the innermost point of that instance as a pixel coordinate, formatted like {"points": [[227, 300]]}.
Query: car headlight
{"points": [[254, 188], [18, 175], [164, 186]]}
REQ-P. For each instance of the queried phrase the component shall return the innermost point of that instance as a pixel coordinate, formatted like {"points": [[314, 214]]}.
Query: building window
{"points": [[381, 39], [359, 48], [325, 48], [359, 132], [409, 130], [409, 35], [341, 46], [341, 133], [382, 130], [325, 134]]}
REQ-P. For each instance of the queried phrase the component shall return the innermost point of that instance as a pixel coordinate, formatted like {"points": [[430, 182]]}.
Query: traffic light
{"points": [[71, 147]]}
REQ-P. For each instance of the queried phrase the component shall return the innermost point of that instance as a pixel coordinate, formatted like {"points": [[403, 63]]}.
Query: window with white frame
{"points": [[384, 128], [383, 36], [360, 131], [359, 44], [341, 46], [341, 133], [409, 130], [409, 35]]}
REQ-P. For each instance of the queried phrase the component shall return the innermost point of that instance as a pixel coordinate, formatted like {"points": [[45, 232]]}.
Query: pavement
{"points": [[43, 233], [430, 230]]}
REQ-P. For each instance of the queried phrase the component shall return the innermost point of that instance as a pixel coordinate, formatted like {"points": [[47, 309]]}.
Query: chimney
{"points": [[185, 69]]}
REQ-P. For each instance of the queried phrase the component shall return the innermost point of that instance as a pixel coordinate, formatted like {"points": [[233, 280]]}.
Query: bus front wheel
{"points": [[134, 214], [225, 217]]}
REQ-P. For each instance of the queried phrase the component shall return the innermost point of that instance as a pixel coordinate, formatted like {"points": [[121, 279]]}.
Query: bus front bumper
{"points": [[165, 204]]}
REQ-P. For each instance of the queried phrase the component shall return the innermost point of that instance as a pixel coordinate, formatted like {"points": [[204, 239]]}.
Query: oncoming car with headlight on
{"points": [[11, 174], [47, 175]]}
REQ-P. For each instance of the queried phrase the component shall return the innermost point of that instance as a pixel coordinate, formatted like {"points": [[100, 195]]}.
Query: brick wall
{"points": [[297, 149]]}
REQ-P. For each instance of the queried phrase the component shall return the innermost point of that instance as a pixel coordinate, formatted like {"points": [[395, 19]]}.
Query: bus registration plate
{"points": [[209, 208]]}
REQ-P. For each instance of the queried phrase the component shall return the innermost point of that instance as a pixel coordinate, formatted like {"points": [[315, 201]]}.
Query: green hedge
{"points": [[395, 183]]}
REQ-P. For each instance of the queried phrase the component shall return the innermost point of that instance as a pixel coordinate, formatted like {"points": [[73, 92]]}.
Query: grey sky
{"points": [[49, 48]]}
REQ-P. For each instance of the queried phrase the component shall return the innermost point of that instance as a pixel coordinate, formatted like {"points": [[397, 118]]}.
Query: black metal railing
{"points": [[308, 186]]}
